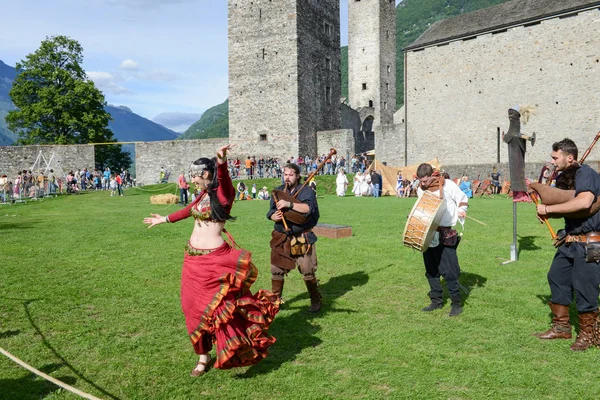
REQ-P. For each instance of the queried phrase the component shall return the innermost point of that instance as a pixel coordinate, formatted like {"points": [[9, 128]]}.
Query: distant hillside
{"points": [[177, 121], [127, 126], [7, 75], [130, 127], [214, 123], [6, 137]]}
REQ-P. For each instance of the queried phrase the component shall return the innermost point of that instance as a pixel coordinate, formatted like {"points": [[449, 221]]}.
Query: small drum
{"points": [[423, 221]]}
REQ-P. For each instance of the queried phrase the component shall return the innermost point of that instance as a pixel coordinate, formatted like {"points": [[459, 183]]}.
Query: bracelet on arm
{"points": [[167, 219], [545, 209], [291, 207]]}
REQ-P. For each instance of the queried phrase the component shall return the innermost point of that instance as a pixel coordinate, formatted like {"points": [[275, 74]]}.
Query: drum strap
{"points": [[437, 184]]}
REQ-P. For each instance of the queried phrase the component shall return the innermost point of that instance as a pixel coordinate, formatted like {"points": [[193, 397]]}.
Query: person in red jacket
{"points": [[216, 278], [119, 184], [183, 189]]}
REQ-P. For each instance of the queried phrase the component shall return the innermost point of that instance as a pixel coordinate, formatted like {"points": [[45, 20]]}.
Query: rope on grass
{"points": [[48, 377], [154, 190]]}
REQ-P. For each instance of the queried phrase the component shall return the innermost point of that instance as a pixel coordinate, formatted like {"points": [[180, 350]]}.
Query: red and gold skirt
{"points": [[219, 307]]}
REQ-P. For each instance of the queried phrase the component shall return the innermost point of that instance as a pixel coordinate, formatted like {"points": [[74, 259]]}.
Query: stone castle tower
{"points": [[372, 60], [284, 75]]}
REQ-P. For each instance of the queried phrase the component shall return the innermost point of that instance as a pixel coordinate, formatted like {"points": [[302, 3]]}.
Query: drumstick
{"points": [[536, 201]]}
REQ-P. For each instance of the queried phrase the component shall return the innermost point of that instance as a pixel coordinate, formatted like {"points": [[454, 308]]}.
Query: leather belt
{"points": [[590, 237]]}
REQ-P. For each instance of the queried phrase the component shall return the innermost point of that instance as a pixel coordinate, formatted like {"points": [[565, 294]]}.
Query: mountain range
{"points": [[7, 75], [126, 126], [177, 121]]}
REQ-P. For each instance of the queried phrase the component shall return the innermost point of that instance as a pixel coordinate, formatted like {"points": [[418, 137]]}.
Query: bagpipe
{"points": [[563, 192], [291, 215]]}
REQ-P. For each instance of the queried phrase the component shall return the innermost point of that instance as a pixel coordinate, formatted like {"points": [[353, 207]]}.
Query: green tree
{"points": [[56, 103], [112, 156]]}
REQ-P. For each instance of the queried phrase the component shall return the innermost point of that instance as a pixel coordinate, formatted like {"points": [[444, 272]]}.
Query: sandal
{"points": [[199, 372]]}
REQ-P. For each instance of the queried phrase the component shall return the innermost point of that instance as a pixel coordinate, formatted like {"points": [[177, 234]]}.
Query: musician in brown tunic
{"points": [[293, 243], [575, 269]]}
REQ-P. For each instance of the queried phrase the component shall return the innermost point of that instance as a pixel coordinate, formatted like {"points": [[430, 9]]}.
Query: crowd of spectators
{"points": [[367, 183], [243, 193], [271, 167], [406, 187], [30, 185]]}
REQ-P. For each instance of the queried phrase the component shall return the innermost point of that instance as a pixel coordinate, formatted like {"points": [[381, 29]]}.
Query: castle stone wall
{"points": [[14, 159], [319, 65], [263, 77], [372, 57], [351, 119], [175, 156], [389, 145], [342, 140], [387, 66], [279, 74], [459, 93]]}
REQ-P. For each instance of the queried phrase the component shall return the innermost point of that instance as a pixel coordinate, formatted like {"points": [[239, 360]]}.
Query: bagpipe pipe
{"points": [[291, 215], [564, 190]]}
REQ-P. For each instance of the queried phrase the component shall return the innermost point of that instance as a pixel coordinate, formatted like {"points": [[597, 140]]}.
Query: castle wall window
{"points": [[371, 103], [327, 29], [328, 95], [328, 63], [389, 69], [262, 137], [364, 86], [387, 86], [385, 105]]}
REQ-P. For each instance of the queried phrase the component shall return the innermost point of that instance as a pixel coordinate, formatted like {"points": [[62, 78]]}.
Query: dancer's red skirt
{"points": [[219, 308]]}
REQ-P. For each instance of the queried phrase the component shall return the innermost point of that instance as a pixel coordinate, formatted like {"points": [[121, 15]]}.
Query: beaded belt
{"points": [[192, 251]]}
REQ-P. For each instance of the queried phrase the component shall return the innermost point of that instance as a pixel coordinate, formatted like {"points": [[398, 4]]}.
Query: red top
{"points": [[225, 194], [182, 183]]}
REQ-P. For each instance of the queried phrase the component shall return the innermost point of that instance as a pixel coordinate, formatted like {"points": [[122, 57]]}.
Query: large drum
{"points": [[423, 221]]}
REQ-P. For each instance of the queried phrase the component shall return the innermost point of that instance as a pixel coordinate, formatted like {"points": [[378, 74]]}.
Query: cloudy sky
{"points": [[154, 56]]}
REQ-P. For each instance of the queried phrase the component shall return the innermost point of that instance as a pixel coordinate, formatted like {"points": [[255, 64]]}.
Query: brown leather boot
{"points": [[315, 296], [585, 338], [561, 328], [277, 287]]}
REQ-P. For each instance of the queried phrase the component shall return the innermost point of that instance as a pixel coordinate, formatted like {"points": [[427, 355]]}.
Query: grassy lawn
{"points": [[90, 296]]}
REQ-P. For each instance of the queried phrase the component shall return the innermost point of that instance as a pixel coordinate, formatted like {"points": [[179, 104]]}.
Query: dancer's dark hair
{"points": [[218, 213]]}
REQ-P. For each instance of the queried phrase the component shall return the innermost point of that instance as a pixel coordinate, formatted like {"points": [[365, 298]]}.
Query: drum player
{"points": [[440, 258]]}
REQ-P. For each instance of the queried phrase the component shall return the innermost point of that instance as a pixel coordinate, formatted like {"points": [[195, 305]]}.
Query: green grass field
{"points": [[91, 296]]}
